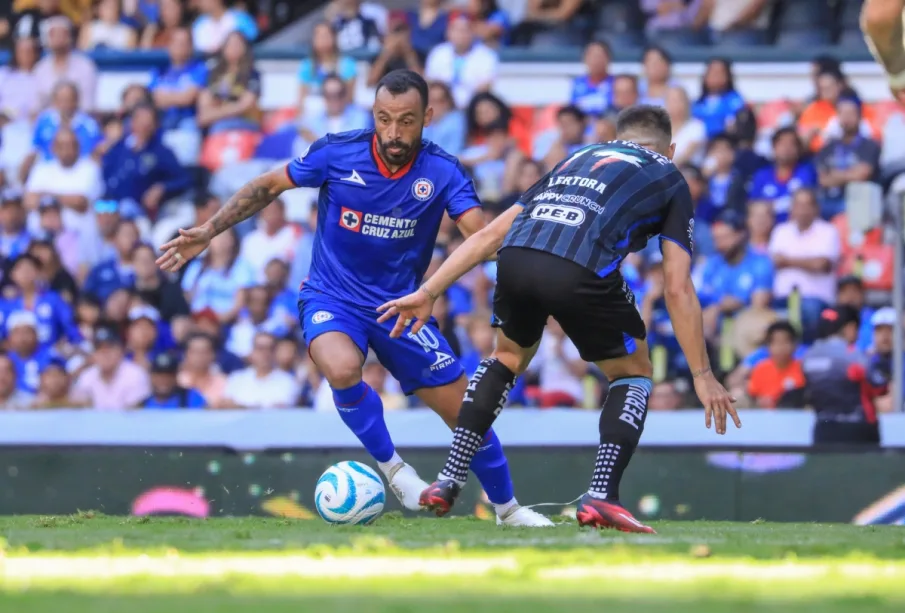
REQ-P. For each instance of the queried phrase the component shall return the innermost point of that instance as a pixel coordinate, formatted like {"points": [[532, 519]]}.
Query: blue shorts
{"points": [[415, 360]]}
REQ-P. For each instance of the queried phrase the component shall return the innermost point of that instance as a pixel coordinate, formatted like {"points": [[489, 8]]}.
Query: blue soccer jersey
{"points": [[375, 237], [376, 230]]}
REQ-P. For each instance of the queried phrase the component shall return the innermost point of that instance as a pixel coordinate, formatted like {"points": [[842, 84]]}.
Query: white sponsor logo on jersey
{"points": [[569, 215], [354, 178], [321, 316]]}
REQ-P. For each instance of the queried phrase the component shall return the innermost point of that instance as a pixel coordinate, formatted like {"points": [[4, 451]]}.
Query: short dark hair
{"points": [[780, 326], [574, 111], [647, 119], [397, 82], [786, 131], [333, 77]]}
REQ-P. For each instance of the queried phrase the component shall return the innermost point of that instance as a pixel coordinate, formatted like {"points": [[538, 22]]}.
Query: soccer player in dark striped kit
{"points": [[559, 250]]}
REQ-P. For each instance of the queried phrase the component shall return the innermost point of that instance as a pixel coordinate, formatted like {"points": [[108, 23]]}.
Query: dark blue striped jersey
{"points": [[602, 203]]}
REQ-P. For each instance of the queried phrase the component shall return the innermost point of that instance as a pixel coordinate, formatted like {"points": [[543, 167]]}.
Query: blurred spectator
{"points": [[72, 180], [62, 64], [704, 211], [559, 369], [354, 30], [54, 391], [760, 225], [158, 35], [665, 397], [788, 173], [165, 391], [747, 161], [325, 60], [717, 169], [487, 161], [116, 272], [670, 15], [466, 65], [175, 89], [274, 238], [216, 279], [447, 127], [230, 101], [592, 92], [153, 288], [53, 275], [30, 20], [11, 397], [553, 17], [780, 373], [215, 23], [485, 110], [490, 24], [481, 340], [883, 323], [66, 242], [850, 293], [375, 376], [566, 139], [734, 278], [142, 335], [199, 370], [741, 21], [719, 101], [141, 169], [338, 115], [261, 385], [818, 121], [19, 97], [206, 322], [283, 300], [96, 243], [527, 174], [63, 114], [657, 67], [107, 30], [23, 350], [688, 133], [396, 53], [112, 383], [256, 317], [14, 238], [301, 262], [625, 91], [805, 251], [849, 158], [428, 25]]}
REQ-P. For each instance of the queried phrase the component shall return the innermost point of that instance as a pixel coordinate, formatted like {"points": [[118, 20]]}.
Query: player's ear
{"points": [[428, 116], [671, 151]]}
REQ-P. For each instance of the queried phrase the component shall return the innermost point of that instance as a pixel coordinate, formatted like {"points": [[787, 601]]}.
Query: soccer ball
{"points": [[349, 493]]}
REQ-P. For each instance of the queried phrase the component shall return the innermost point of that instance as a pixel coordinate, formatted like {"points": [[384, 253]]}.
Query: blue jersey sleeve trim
{"points": [[672, 240], [466, 212], [289, 175]]}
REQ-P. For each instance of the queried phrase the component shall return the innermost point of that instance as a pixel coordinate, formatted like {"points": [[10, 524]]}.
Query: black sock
{"points": [[485, 397], [621, 425]]}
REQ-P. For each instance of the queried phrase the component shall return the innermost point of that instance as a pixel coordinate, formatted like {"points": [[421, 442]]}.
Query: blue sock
{"points": [[492, 470], [361, 409]]}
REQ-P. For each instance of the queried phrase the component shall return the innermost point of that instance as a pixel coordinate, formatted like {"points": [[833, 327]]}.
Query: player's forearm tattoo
{"points": [[254, 196]]}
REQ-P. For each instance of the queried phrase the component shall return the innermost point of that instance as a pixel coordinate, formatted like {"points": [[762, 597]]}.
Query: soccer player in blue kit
{"points": [[383, 193]]}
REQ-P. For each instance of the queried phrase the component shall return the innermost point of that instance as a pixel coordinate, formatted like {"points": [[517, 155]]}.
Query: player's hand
{"points": [[183, 248], [717, 402], [414, 309]]}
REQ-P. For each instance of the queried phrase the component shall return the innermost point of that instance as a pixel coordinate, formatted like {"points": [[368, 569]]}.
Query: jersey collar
{"points": [[383, 167]]}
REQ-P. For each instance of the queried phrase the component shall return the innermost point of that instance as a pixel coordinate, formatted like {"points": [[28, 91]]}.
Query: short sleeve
{"points": [[763, 274], [199, 75], [155, 80], [346, 68], [462, 196], [310, 168], [678, 226], [758, 182], [869, 153], [306, 72]]}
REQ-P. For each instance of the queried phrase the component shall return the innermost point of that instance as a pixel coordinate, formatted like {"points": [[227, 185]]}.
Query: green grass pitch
{"points": [[97, 564]]}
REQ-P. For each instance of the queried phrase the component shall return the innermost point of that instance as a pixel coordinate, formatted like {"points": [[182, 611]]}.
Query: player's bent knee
{"points": [[342, 375]]}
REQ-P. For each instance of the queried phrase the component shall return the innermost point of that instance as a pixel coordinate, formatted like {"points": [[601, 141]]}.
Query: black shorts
{"points": [[598, 314]]}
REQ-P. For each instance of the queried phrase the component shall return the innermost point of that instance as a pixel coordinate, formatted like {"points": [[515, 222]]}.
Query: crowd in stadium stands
{"points": [[87, 320]]}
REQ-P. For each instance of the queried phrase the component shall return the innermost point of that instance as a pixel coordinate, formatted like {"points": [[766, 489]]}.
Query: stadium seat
{"points": [[521, 127], [873, 264], [774, 115], [851, 243], [850, 14], [677, 39], [804, 15], [740, 39], [228, 148], [801, 38], [852, 40], [617, 16], [883, 111], [277, 119]]}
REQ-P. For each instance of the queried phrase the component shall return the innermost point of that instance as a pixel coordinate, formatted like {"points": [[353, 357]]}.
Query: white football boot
{"points": [[525, 517], [407, 485]]}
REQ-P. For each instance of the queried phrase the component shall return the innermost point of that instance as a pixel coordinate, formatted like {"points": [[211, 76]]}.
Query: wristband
{"points": [[429, 293], [701, 373]]}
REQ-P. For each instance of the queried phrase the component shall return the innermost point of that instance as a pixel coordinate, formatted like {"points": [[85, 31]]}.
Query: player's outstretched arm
{"points": [[417, 306], [688, 324], [254, 196], [881, 22]]}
